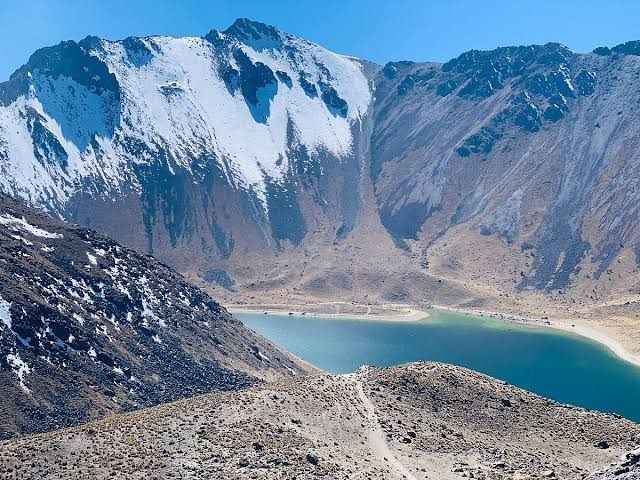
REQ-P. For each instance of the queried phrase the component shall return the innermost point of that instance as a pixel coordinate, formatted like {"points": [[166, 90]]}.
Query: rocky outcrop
{"points": [[627, 469]]}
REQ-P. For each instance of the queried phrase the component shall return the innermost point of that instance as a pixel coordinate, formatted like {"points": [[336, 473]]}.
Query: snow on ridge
{"points": [[92, 259], [42, 181], [21, 174], [22, 224], [205, 114]]}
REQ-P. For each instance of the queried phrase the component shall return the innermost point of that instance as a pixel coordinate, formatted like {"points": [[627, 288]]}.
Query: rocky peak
{"points": [[255, 34], [71, 60], [487, 71], [240, 108], [541, 83], [628, 48]]}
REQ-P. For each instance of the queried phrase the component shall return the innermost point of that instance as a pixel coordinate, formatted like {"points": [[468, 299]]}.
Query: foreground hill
{"points": [[416, 421], [89, 328]]}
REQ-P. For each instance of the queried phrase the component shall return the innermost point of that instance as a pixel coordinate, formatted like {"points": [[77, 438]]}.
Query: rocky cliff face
{"points": [[234, 156], [533, 145], [88, 327]]}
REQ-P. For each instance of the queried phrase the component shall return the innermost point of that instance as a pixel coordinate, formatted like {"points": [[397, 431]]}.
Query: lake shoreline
{"points": [[413, 313], [576, 327], [339, 311]]}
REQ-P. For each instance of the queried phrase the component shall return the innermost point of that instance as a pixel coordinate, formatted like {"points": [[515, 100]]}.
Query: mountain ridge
{"points": [[89, 328], [235, 155]]}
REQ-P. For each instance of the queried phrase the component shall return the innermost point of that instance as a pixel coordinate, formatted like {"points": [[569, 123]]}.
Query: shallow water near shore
{"points": [[562, 366]]}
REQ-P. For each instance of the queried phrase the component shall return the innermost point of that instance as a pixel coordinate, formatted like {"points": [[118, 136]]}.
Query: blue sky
{"points": [[378, 30]]}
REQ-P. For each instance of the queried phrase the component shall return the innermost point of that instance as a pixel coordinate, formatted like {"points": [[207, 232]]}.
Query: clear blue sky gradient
{"points": [[377, 30]]}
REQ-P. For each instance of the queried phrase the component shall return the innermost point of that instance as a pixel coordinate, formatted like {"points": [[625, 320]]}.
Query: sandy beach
{"points": [[340, 310], [412, 313]]}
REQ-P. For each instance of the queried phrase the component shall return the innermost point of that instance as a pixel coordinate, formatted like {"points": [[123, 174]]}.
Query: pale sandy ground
{"points": [[339, 310], [412, 313]]}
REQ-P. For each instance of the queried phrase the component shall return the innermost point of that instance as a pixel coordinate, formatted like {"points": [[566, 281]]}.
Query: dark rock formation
{"points": [[89, 328]]}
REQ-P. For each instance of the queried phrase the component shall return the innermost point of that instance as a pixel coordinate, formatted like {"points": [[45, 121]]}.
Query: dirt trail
{"points": [[376, 435]]}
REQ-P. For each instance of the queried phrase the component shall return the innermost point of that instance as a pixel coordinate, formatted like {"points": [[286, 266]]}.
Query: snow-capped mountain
{"points": [[88, 327], [263, 163], [247, 106]]}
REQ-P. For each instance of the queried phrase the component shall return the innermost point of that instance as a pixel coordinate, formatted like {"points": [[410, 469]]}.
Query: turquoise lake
{"points": [[562, 366]]}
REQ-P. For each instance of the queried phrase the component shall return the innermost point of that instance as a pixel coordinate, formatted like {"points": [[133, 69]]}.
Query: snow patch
{"points": [[5, 312], [92, 259], [22, 224], [20, 368]]}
